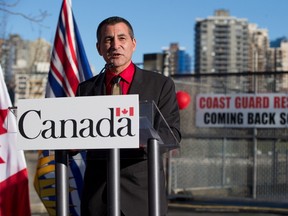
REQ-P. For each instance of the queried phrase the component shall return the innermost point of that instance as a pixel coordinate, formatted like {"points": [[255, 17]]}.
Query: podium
{"points": [[155, 136]]}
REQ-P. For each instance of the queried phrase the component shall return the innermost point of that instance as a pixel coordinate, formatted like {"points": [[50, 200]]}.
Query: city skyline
{"points": [[156, 24]]}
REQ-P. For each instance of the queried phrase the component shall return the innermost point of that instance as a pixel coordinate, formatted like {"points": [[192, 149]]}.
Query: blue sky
{"points": [[157, 23]]}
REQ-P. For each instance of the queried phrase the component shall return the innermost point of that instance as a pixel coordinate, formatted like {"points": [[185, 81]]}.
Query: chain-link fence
{"points": [[245, 163]]}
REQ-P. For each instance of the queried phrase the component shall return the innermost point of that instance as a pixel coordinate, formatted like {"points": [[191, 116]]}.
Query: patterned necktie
{"points": [[116, 88]]}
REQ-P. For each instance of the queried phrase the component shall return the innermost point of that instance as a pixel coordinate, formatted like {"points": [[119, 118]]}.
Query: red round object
{"points": [[183, 99]]}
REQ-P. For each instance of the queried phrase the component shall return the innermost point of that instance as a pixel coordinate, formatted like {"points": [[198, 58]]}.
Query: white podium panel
{"points": [[94, 122]]}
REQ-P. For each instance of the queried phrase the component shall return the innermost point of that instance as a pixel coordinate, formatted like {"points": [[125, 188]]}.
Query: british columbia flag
{"points": [[68, 67]]}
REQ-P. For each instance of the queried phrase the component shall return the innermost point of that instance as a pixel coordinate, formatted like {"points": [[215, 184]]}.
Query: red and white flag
{"points": [[14, 189]]}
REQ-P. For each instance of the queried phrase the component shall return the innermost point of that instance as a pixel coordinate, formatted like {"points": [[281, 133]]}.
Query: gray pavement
{"points": [[175, 209], [194, 210]]}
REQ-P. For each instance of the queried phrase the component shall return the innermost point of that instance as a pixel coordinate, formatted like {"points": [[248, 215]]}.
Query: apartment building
{"points": [[221, 44], [277, 59], [258, 48], [25, 65], [173, 60]]}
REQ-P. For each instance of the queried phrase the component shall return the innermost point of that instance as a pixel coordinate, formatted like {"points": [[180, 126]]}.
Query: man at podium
{"points": [[116, 44]]}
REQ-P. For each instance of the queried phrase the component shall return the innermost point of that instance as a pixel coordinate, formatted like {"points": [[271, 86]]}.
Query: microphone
{"points": [[106, 67], [109, 65]]}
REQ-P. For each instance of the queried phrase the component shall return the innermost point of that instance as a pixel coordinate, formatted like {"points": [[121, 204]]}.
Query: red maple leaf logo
{"points": [[124, 111], [3, 115]]}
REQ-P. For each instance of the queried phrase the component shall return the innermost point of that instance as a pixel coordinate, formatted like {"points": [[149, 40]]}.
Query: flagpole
{"points": [[62, 186]]}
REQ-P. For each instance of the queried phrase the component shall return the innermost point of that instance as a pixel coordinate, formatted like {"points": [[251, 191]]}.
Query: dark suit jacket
{"points": [[149, 86]]}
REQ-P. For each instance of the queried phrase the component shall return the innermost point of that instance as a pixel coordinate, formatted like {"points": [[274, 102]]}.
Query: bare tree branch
{"points": [[3, 3], [39, 18], [7, 8]]}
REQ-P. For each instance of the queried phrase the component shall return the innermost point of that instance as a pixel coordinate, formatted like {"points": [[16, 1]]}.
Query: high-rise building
{"points": [[278, 59], [153, 62], [258, 48], [278, 55], [172, 60], [25, 65], [179, 61], [184, 62], [221, 44]]}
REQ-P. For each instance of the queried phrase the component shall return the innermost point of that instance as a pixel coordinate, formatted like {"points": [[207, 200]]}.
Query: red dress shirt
{"points": [[126, 79]]}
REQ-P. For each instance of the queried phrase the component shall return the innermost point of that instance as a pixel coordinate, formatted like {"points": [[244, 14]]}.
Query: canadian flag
{"points": [[14, 190], [124, 111]]}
